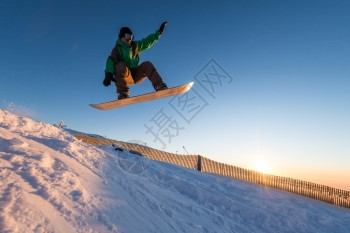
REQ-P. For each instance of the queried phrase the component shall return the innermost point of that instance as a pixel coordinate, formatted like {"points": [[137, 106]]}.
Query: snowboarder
{"points": [[122, 66]]}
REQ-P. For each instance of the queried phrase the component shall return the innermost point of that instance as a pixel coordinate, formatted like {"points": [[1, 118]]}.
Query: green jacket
{"points": [[124, 52]]}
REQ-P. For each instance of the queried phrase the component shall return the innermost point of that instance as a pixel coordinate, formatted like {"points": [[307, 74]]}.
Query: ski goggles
{"points": [[128, 36]]}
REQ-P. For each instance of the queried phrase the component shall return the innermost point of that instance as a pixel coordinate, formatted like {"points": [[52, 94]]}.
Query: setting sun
{"points": [[261, 166]]}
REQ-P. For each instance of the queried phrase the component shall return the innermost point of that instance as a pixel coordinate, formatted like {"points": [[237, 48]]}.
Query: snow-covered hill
{"points": [[52, 182]]}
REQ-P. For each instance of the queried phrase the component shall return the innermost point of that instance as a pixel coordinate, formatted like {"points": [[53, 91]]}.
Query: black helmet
{"points": [[123, 31]]}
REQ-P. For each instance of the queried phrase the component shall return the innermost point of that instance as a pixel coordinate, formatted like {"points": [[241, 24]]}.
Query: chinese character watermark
{"points": [[132, 161], [211, 77], [188, 105], [164, 125]]}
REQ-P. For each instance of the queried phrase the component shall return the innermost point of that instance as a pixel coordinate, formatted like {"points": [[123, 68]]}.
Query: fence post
{"points": [[199, 163]]}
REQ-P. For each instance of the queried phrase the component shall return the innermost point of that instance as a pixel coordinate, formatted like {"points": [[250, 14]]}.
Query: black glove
{"points": [[108, 79], [161, 29]]}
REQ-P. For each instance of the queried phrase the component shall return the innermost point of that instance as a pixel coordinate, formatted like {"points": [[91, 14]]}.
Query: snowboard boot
{"points": [[161, 87], [123, 95]]}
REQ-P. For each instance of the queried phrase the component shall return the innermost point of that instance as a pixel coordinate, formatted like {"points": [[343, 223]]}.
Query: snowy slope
{"points": [[52, 182]]}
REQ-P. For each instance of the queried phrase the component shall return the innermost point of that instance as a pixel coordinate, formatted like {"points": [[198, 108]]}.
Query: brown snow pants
{"points": [[125, 76]]}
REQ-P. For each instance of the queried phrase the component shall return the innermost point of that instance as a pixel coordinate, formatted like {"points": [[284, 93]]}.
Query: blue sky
{"points": [[284, 100]]}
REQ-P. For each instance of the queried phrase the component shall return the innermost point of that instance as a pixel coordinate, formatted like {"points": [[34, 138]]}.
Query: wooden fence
{"points": [[316, 191]]}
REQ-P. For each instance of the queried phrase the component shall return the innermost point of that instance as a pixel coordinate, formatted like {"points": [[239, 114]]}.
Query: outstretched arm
{"points": [[150, 40]]}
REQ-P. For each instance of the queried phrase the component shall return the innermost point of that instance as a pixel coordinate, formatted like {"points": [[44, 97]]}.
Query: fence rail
{"points": [[316, 191]]}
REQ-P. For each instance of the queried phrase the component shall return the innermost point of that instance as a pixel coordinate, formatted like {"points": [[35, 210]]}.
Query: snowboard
{"points": [[145, 97]]}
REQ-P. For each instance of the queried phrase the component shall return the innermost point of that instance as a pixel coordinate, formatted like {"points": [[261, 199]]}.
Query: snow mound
{"points": [[53, 182]]}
